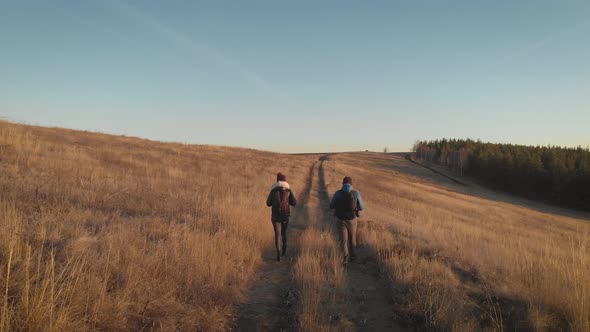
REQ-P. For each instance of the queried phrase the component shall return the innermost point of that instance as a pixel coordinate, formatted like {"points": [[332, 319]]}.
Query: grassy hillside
{"points": [[101, 232], [117, 233], [457, 260]]}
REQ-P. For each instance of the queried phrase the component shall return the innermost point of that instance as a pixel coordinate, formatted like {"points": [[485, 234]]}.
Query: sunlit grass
{"points": [[117, 233], [462, 262]]}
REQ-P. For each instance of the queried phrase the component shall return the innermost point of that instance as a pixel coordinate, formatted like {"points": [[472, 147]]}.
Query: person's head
{"points": [[281, 177], [347, 179]]}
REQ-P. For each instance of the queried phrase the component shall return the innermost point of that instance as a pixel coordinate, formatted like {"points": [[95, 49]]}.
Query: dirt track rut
{"points": [[271, 300], [369, 306]]}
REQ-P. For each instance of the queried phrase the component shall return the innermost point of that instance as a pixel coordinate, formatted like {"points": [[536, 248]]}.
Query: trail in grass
{"points": [[270, 305], [270, 300], [369, 306]]}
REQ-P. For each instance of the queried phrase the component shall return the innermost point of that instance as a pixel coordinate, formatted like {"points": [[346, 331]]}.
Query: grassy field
{"points": [[460, 261], [103, 232], [117, 233]]}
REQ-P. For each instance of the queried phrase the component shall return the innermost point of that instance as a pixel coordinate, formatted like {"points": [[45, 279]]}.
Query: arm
{"points": [[292, 199], [333, 201], [359, 201], [269, 199]]}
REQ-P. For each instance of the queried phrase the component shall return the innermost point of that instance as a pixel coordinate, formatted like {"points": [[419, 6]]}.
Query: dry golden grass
{"points": [[461, 262], [106, 232], [319, 275], [318, 270], [117, 233]]}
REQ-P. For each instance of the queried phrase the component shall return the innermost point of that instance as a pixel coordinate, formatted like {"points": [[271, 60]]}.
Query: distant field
{"points": [[101, 232]]}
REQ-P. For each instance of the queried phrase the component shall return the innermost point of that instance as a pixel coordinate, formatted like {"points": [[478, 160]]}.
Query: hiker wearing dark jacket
{"points": [[347, 203], [280, 199]]}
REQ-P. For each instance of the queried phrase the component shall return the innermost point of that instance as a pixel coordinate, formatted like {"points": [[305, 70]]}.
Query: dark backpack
{"points": [[280, 202], [346, 205]]}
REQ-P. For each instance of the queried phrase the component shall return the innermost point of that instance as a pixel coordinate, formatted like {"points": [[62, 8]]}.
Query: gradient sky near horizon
{"points": [[301, 76]]}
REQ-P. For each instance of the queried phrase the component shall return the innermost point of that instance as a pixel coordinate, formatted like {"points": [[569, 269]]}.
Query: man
{"points": [[347, 203], [280, 199]]}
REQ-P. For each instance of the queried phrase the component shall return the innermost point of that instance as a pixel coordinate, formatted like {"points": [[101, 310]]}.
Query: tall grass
{"points": [[117, 233], [103, 232], [319, 275], [461, 262]]}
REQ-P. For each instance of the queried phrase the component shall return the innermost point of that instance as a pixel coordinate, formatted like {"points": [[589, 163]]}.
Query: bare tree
{"points": [[463, 159]]}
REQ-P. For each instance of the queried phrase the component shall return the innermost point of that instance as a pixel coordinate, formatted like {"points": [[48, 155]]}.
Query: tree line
{"points": [[553, 173]]}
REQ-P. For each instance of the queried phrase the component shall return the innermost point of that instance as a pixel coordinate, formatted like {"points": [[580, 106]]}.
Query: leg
{"points": [[284, 236], [278, 230], [343, 239], [352, 225]]}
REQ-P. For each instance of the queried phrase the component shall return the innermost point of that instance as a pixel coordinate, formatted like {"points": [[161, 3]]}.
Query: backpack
{"points": [[346, 205], [280, 202]]}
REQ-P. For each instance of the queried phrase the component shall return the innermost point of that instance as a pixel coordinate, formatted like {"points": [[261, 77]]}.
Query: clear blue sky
{"points": [[301, 75]]}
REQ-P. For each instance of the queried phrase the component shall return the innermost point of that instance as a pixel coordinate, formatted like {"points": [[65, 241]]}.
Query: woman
{"points": [[280, 199]]}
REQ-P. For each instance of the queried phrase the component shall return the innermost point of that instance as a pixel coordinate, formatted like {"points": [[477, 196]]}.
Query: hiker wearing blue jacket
{"points": [[347, 204]]}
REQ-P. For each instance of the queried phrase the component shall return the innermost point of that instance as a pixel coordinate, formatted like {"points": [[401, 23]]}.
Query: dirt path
{"points": [[271, 297], [369, 305], [270, 304]]}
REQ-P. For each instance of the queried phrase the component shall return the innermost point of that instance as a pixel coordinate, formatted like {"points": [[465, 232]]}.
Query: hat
{"points": [[347, 179], [281, 177]]}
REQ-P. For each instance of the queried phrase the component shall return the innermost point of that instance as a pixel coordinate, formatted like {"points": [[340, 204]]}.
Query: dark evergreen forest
{"points": [[556, 174]]}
